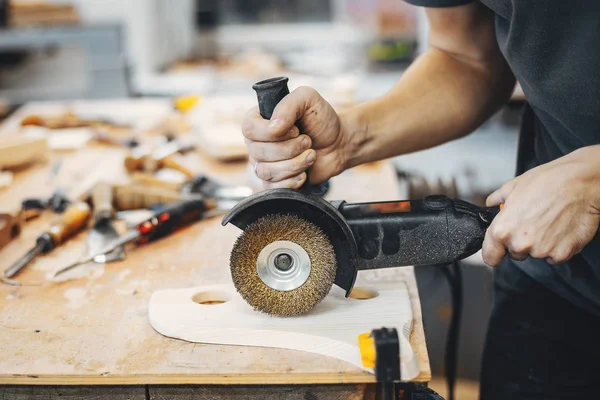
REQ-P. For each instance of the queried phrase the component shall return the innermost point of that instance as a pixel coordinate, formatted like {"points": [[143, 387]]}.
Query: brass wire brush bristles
{"points": [[283, 227]]}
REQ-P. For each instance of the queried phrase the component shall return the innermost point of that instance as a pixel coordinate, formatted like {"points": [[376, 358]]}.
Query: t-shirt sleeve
{"points": [[438, 3]]}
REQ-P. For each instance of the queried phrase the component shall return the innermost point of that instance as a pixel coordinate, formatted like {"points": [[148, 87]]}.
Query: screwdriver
{"points": [[165, 221], [72, 221]]}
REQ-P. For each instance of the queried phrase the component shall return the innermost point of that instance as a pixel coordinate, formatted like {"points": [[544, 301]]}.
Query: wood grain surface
{"points": [[301, 392], [132, 392], [95, 331]]}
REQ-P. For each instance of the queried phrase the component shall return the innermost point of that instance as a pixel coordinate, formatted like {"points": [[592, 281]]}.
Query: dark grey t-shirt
{"points": [[553, 48]]}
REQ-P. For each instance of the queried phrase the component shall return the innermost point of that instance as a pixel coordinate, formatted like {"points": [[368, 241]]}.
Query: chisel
{"points": [[163, 223], [71, 222]]}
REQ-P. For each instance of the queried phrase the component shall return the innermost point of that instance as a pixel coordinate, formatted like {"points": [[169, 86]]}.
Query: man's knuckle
{"points": [[306, 91], [559, 255], [539, 252], [489, 259], [248, 128], [500, 232], [522, 245], [293, 167], [264, 172]]}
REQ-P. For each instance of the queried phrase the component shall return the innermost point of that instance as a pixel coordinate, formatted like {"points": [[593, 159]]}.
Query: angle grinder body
{"points": [[434, 230]]}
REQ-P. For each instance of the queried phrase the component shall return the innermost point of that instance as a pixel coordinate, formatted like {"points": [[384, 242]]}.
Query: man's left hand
{"points": [[550, 212]]}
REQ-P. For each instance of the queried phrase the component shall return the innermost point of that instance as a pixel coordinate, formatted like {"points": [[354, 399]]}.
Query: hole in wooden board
{"points": [[210, 298], [360, 293]]}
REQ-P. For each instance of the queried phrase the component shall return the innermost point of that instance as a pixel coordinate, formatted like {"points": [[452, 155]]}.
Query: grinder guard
{"points": [[311, 208]]}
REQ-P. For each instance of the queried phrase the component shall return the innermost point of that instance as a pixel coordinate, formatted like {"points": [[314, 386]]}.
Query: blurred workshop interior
{"points": [[154, 92]]}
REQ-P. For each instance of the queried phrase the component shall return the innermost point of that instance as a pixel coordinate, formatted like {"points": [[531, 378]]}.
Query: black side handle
{"points": [[435, 230], [269, 93]]}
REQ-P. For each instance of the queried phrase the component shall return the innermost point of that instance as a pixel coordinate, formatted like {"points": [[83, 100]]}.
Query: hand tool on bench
{"points": [[58, 202], [103, 232], [103, 137], [164, 156], [295, 245], [10, 226], [138, 196], [200, 184], [163, 223], [71, 222], [19, 150], [70, 120], [212, 189]]}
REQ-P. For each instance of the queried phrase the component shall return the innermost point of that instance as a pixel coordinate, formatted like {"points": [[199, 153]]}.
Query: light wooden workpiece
{"points": [[95, 330]]}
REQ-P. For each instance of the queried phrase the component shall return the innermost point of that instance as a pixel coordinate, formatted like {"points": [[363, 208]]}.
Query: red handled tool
{"points": [[163, 223]]}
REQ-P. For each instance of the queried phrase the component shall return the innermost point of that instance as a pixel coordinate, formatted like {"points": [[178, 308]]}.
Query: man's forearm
{"points": [[438, 99]]}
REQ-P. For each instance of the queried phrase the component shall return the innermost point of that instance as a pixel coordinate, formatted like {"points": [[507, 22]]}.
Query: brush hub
{"points": [[283, 265], [284, 262]]}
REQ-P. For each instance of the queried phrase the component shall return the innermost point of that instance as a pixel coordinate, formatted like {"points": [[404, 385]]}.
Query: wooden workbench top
{"points": [[95, 330]]}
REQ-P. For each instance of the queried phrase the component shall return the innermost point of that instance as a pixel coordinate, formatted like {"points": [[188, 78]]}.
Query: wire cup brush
{"points": [[286, 276]]}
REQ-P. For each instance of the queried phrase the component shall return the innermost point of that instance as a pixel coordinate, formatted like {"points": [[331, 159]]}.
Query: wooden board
{"points": [[217, 314], [95, 330], [131, 392], [297, 392]]}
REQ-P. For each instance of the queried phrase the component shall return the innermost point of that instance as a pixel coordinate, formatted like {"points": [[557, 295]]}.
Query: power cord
{"points": [[453, 274]]}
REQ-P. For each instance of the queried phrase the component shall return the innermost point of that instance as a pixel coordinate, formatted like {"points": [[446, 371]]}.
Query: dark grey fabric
{"points": [[539, 346], [439, 3], [553, 48]]}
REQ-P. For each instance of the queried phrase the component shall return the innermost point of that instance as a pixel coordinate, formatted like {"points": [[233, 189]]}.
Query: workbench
{"points": [[90, 337]]}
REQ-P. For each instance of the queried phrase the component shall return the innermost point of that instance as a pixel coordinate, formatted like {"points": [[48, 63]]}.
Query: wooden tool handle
{"points": [[135, 159], [143, 178], [135, 197], [10, 226], [71, 222], [102, 199], [153, 162], [175, 163]]}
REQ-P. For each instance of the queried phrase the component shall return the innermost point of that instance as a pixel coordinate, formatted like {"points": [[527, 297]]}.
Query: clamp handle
{"points": [[269, 93]]}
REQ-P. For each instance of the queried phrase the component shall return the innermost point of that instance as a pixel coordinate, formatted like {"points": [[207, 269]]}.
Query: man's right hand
{"points": [[281, 152]]}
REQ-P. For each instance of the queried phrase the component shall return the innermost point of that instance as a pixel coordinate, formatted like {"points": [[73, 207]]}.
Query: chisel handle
{"points": [[71, 222], [102, 197], [269, 93], [173, 217], [134, 161], [174, 162]]}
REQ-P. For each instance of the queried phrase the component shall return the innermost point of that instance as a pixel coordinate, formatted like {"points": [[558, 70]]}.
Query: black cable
{"points": [[453, 274]]}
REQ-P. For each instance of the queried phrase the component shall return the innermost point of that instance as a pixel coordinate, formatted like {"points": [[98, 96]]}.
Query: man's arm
{"points": [[445, 94]]}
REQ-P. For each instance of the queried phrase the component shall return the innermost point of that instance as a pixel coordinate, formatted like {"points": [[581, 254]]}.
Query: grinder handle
{"points": [[435, 230], [269, 93]]}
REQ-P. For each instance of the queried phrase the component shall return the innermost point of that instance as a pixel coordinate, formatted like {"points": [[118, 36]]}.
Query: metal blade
{"points": [[120, 241], [100, 236], [23, 261]]}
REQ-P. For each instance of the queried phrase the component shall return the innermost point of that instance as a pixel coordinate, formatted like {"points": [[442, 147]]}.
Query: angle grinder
{"points": [[295, 245]]}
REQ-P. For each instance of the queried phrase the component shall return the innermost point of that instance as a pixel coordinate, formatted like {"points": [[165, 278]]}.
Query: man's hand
{"points": [[550, 212], [281, 152]]}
